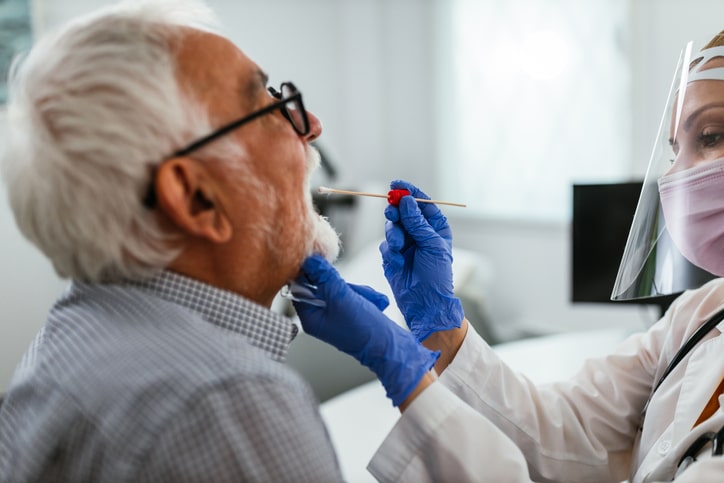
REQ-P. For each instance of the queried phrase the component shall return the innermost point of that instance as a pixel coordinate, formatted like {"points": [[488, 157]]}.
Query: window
{"points": [[534, 96]]}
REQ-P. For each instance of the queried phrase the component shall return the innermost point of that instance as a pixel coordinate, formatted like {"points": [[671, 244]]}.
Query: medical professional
{"points": [[648, 412]]}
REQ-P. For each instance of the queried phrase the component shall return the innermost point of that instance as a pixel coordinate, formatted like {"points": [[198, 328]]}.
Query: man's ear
{"points": [[186, 194]]}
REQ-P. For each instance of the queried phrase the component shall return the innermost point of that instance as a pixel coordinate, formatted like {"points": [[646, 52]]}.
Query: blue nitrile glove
{"points": [[353, 322], [417, 260]]}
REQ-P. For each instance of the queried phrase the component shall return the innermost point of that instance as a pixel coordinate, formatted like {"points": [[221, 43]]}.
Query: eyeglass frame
{"points": [[150, 199]]}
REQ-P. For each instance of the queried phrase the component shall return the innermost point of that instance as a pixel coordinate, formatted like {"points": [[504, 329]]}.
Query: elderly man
{"points": [[147, 159]]}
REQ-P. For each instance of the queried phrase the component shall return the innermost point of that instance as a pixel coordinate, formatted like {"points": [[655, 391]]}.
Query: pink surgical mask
{"points": [[693, 204]]}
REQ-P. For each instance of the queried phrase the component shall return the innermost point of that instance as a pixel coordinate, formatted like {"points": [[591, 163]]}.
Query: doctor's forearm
{"points": [[448, 342], [426, 380]]}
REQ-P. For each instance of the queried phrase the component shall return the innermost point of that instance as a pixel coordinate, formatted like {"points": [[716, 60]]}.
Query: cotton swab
{"points": [[393, 196]]}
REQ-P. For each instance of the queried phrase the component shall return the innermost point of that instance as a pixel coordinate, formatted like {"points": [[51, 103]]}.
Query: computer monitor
{"points": [[602, 216]]}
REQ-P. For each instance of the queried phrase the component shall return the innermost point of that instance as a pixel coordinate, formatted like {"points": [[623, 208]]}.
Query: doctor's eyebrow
{"points": [[692, 117]]}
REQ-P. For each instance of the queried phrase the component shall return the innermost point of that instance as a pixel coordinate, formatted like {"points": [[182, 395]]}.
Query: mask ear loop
{"points": [[302, 293]]}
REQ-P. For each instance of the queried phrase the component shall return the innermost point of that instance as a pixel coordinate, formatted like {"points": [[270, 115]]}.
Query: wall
{"points": [[366, 68]]}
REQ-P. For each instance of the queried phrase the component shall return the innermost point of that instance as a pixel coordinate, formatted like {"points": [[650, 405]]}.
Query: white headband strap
{"points": [[703, 58]]}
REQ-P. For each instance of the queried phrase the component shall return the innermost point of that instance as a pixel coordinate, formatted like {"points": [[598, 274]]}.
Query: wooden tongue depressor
{"points": [[393, 196]]}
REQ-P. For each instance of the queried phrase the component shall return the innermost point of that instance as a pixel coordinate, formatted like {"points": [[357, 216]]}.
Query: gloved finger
{"points": [[395, 236], [316, 270], [416, 225], [380, 300], [303, 291], [309, 312], [429, 210], [415, 192], [440, 225], [437, 220], [392, 213], [306, 311], [392, 260]]}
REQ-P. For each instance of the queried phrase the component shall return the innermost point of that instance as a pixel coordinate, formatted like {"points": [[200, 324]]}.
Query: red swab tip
{"points": [[394, 196]]}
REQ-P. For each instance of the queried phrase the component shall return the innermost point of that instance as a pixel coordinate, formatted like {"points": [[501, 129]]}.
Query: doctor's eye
{"points": [[709, 140]]}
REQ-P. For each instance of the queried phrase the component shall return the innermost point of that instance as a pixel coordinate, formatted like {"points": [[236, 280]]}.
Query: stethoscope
{"points": [[715, 438], [717, 447]]}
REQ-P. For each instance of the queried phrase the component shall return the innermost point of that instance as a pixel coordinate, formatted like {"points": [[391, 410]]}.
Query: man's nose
{"points": [[315, 127]]}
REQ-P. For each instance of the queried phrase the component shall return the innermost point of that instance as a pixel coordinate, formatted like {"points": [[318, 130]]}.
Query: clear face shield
{"points": [[676, 240]]}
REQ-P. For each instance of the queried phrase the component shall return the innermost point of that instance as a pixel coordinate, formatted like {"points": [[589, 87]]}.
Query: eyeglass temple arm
{"points": [[224, 130]]}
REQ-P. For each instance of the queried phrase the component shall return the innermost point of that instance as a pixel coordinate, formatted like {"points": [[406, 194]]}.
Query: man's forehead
{"points": [[212, 63], [201, 49]]}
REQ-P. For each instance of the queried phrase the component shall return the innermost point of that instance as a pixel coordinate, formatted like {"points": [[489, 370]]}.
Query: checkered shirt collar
{"points": [[265, 329]]}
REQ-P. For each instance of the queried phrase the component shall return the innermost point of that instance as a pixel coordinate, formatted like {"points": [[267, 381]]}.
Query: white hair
{"points": [[92, 109]]}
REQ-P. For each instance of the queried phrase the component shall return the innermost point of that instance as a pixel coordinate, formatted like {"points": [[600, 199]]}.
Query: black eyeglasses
{"points": [[289, 103]]}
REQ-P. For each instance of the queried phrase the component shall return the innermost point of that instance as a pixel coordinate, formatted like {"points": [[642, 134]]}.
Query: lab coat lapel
{"points": [[703, 374]]}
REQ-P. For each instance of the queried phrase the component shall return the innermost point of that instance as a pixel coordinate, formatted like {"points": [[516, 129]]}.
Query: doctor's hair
{"points": [[92, 108], [716, 41]]}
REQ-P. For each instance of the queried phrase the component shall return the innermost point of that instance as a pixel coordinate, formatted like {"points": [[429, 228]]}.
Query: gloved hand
{"points": [[353, 322], [417, 261]]}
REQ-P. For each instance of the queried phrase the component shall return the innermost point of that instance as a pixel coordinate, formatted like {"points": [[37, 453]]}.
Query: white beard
{"points": [[323, 238]]}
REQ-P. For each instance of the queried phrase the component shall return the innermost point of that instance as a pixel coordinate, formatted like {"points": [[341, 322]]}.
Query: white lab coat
{"points": [[482, 422]]}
